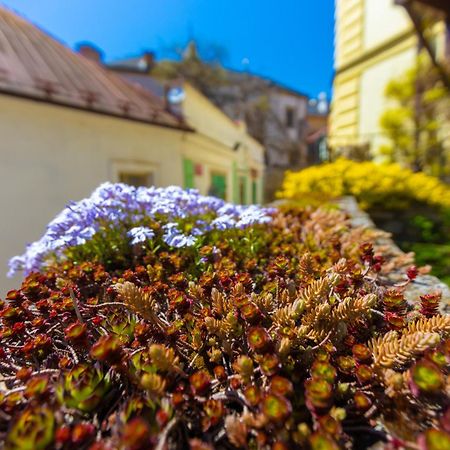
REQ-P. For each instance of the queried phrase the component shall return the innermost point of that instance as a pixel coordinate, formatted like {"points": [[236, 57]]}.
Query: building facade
{"points": [[275, 115], [375, 42], [220, 158]]}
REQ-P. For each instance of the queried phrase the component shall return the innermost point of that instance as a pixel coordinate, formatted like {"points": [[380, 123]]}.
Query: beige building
{"points": [[375, 42], [220, 158], [275, 115], [67, 125]]}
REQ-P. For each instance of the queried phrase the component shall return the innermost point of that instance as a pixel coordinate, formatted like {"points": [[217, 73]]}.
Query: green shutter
{"points": [[254, 191], [236, 198], [243, 190], [188, 170], [218, 185]]}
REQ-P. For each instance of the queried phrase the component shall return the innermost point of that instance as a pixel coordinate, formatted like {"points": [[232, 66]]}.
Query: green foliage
{"points": [[416, 119], [437, 255]]}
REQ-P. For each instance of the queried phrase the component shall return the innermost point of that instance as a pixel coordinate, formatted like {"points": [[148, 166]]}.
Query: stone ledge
{"points": [[423, 283]]}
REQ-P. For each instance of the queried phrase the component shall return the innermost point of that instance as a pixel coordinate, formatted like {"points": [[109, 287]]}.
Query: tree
{"points": [[415, 123], [241, 95], [206, 72]]}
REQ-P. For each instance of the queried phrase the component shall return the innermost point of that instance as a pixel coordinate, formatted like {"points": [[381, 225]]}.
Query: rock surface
{"points": [[423, 283]]}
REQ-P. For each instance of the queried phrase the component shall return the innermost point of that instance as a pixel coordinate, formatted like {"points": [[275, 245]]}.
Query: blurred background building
{"points": [[376, 41], [278, 117]]}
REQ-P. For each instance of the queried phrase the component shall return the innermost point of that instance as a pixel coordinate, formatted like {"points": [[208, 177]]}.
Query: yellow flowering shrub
{"points": [[374, 185]]}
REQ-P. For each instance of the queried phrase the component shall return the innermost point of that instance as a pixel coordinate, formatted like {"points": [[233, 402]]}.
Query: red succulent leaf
{"points": [[107, 349], [362, 401], [276, 408], [394, 320], [10, 313], [220, 374], [426, 377], [281, 386], [394, 301], [346, 364], [214, 409], [252, 394], [412, 272], [13, 295], [361, 352], [434, 439], [18, 327], [269, 364], [200, 382], [162, 417], [82, 432], [75, 332], [63, 435], [24, 374], [324, 370], [330, 425], [177, 399], [37, 387], [250, 313], [321, 441], [97, 320], [258, 339], [280, 446], [319, 393], [364, 373], [429, 304]]}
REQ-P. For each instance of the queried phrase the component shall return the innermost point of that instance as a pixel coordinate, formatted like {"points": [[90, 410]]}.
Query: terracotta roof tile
{"points": [[35, 65]]}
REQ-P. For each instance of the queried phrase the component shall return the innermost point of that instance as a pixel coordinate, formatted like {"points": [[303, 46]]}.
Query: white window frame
{"points": [[135, 167]]}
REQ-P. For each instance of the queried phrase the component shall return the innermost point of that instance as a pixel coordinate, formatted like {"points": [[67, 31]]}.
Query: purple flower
{"points": [[224, 222], [121, 207], [140, 234]]}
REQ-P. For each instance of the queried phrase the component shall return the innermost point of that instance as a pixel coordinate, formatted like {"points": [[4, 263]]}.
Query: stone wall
{"points": [[423, 283]]}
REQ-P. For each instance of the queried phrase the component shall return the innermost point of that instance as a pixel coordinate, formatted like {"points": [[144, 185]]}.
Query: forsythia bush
{"points": [[164, 319], [374, 185]]}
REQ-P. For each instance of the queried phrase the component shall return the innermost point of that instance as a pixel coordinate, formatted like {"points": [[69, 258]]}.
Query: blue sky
{"points": [[290, 41]]}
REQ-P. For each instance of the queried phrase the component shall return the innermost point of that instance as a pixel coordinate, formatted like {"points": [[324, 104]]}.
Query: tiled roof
{"points": [[35, 65], [255, 81]]}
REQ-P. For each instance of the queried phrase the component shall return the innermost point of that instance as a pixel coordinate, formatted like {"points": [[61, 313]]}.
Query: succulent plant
{"points": [[83, 387], [275, 336]]}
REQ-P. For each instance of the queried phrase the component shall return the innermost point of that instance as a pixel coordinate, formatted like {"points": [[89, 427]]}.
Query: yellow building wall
{"points": [[383, 20], [212, 147], [212, 157], [50, 155], [372, 102], [375, 42]]}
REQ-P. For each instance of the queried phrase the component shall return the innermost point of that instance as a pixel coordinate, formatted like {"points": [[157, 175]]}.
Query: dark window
{"points": [[290, 117], [136, 179]]}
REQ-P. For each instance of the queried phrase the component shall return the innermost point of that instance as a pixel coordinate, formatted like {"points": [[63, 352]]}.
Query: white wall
{"points": [[383, 20], [373, 103], [50, 155]]}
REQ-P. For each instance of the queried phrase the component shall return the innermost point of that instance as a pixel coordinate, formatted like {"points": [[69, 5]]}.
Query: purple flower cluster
{"points": [[140, 234], [119, 205]]}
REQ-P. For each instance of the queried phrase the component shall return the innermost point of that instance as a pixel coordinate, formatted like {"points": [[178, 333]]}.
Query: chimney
{"points": [[90, 51], [147, 61]]}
